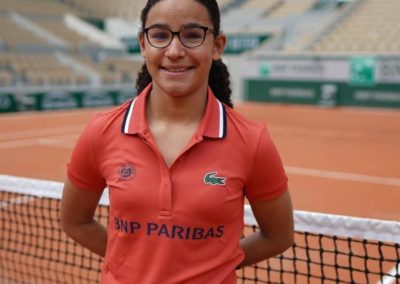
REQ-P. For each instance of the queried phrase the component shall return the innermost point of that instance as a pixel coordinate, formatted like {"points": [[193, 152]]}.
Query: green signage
{"points": [[238, 43], [322, 93], [55, 100], [362, 71], [64, 99], [132, 43], [8, 103], [124, 95], [296, 92], [380, 95], [96, 98], [97, 22], [264, 69]]}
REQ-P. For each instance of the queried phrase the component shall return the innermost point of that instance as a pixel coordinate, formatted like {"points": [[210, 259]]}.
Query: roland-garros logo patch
{"points": [[126, 171]]}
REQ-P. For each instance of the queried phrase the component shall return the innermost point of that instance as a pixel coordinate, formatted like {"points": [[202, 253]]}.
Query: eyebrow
{"points": [[158, 26], [183, 26]]}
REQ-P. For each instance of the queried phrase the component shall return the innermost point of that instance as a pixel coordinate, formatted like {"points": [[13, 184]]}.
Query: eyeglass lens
{"points": [[189, 36]]}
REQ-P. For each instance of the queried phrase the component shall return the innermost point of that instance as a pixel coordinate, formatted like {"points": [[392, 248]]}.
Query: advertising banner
{"points": [[238, 43], [64, 99], [323, 93], [53, 100], [362, 71], [7, 103], [388, 70], [95, 98], [295, 92], [132, 44], [381, 95]]}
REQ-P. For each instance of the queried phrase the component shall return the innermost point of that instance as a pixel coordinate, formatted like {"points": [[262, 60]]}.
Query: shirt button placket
{"points": [[165, 191]]}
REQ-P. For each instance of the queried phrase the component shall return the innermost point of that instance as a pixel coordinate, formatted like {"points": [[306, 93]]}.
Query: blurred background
{"points": [[58, 54], [324, 75]]}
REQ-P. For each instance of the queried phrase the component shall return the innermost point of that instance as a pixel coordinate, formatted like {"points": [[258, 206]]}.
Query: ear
{"points": [[219, 46], [141, 44]]}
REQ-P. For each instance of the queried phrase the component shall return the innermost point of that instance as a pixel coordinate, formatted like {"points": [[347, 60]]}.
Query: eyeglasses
{"points": [[189, 36]]}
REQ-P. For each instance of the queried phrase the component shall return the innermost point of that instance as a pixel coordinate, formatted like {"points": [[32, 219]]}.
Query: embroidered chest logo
{"points": [[126, 172], [213, 179]]}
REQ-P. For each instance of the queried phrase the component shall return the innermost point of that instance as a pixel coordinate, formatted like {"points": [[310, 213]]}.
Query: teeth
{"points": [[177, 69]]}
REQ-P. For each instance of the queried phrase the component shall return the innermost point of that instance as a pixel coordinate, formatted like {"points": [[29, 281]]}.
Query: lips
{"points": [[176, 69]]}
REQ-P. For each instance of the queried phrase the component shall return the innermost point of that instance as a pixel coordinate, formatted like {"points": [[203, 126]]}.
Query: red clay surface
{"points": [[340, 160]]}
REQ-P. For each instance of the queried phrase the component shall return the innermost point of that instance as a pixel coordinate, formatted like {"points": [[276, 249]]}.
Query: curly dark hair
{"points": [[218, 79]]}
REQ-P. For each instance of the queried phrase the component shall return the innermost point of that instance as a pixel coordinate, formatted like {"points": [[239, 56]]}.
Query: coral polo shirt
{"points": [[180, 224]]}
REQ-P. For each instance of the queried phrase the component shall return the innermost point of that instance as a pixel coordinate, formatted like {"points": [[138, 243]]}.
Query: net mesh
{"points": [[327, 249]]}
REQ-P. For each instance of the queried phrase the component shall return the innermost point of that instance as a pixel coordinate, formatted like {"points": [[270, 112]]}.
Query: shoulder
{"points": [[243, 124], [101, 122]]}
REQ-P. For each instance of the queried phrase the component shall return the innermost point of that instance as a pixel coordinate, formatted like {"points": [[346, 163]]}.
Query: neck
{"points": [[180, 109]]}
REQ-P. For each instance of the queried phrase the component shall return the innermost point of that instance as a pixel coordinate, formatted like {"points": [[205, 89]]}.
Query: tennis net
{"points": [[327, 249]]}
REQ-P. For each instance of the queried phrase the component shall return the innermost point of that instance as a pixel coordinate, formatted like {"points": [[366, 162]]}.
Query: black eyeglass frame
{"points": [[178, 33]]}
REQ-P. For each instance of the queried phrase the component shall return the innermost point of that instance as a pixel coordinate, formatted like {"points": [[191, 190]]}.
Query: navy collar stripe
{"points": [[222, 120], [128, 116]]}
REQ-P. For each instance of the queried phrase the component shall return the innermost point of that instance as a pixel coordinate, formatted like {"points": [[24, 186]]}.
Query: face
{"points": [[177, 70]]}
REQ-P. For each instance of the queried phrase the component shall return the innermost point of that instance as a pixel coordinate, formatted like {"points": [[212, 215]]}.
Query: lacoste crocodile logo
{"points": [[213, 179]]}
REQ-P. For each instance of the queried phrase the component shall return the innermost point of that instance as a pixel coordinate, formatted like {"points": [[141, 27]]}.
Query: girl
{"points": [[178, 163]]}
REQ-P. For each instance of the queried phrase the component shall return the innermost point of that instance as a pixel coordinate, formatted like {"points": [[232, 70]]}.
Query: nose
{"points": [[175, 49]]}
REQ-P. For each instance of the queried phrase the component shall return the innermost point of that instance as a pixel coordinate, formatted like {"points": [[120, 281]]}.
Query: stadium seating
{"points": [[30, 53], [291, 24], [127, 9], [46, 8], [14, 36], [372, 27], [36, 69], [112, 70], [57, 27], [293, 7], [260, 4], [37, 47]]}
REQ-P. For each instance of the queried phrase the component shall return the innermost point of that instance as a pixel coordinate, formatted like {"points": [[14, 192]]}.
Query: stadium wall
{"points": [[41, 98], [367, 81], [371, 81]]}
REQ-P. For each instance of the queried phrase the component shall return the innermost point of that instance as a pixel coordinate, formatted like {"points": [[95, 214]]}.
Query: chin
{"points": [[176, 90], [178, 93]]}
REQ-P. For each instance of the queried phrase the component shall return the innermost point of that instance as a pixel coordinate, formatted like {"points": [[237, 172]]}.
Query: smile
{"points": [[176, 69]]}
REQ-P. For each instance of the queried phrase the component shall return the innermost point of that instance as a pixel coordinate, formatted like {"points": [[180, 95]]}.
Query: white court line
{"points": [[18, 144], [85, 113], [56, 141], [312, 109], [343, 176], [333, 133], [319, 131], [372, 111], [50, 131], [391, 277], [62, 137]]}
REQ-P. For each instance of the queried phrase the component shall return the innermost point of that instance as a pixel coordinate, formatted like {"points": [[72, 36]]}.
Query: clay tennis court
{"points": [[339, 160]]}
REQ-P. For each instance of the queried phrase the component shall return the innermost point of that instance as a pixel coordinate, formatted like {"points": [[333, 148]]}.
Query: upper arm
{"points": [[267, 178], [83, 168], [275, 217], [77, 206]]}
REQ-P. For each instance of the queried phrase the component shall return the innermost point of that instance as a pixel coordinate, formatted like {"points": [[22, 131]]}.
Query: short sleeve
{"points": [[82, 169], [267, 177]]}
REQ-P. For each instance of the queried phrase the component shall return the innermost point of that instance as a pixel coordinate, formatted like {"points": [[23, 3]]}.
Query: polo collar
{"points": [[212, 125]]}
